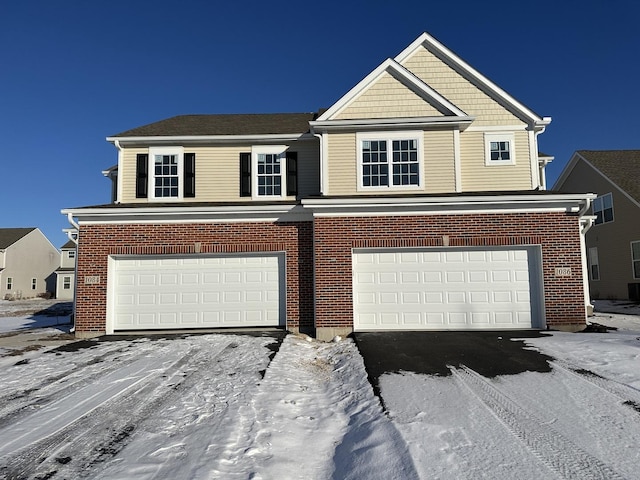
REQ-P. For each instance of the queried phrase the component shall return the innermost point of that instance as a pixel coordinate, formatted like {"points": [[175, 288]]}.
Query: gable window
{"points": [[635, 259], [391, 160], [594, 265], [499, 149], [34, 283], [66, 283], [603, 209], [269, 171], [71, 254], [165, 173], [9, 283]]}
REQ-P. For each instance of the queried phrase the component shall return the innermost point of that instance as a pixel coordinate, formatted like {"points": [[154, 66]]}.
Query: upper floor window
{"points": [[165, 173], [269, 171], [635, 259], [389, 160], [499, 149], [603, 209], [71, 254]]}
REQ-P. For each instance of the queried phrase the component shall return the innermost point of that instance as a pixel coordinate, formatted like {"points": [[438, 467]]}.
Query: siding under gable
{"points": [[388, 98], [458, 90], [476, 176]]}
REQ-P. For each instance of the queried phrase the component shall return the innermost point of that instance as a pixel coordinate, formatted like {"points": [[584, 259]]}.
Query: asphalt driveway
{"points": [[488, 353]]}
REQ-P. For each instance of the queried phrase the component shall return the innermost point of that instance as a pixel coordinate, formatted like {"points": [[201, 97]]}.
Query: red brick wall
{"points": [[97, 242], [557, 233]]}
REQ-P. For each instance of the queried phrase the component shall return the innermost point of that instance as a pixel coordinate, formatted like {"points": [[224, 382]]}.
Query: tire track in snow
{"points": [[38, 442], [558, 452], [625, 394]]}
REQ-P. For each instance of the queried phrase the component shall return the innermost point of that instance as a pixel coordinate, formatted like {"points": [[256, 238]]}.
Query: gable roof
{"points": [[224, 124], [463, 68], [69, 245], [9, 236], [393, 68], [622, 167]]}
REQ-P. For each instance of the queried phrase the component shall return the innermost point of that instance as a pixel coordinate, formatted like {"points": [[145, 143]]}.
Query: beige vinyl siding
{"points": [[477, 176], [342, 163], [438, 174], [459, 91], [388, 98], [218, 172]]}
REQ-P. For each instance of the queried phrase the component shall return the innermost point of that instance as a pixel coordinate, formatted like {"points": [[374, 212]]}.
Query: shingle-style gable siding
{"points": [[388, 98], [458, 90]]}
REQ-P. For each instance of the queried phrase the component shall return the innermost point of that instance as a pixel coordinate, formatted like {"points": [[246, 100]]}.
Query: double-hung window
{"points": [[165, 174], [66, 283], [9, 283], [635, 259], [594, 264], [390, 160], [499, 149], [603, 208], [34, 283]]}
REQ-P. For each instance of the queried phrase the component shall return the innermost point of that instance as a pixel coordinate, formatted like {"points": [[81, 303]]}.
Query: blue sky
{"points": [[75, 72]]}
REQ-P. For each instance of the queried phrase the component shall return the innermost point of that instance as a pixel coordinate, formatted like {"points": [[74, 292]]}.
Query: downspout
{"points": [[119, 177], [586, 222], [323, 162], [74, 239]]}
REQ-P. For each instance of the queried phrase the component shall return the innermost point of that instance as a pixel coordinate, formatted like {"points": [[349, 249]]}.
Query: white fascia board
{"points": [[188, 214], [573, 203], [390, 123], [207, 139], [453, 60], [395, 69]]}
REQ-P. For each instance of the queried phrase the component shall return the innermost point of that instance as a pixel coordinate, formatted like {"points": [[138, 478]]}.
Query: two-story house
{"points": [[613, 243], [415, 202], [28, 261], [66, 273]]}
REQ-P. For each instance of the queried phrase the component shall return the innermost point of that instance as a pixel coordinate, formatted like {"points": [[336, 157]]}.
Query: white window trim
{"points": [[66, 283], [269, 150], [9, 283], [633, 261], [593, 254], [499, 137], [151, 188], [613, 213], [406, 135]]}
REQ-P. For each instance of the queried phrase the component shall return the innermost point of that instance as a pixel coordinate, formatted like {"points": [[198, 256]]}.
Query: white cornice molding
{"points": [[391, 123], [434, 46], [209, 139], [396, 70], [145, 214], [462, 204]]}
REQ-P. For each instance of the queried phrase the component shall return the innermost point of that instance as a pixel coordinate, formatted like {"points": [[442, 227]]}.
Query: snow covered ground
{"points": [[219, 406]]}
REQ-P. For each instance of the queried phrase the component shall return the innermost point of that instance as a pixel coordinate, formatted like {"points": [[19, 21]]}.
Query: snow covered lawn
{"points": [[219, 406]]}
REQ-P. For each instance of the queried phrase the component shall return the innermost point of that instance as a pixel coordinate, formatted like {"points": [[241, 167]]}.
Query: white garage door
{"points": [[446, 288], [154, 292]]}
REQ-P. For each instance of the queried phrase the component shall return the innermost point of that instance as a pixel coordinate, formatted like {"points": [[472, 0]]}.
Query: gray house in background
{"points": [[613, 242], [28, 262], [66, 273]]}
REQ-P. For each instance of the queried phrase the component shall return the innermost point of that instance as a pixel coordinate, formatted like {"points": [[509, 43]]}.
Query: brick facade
{"points": [[557, 234], [97, 242]]}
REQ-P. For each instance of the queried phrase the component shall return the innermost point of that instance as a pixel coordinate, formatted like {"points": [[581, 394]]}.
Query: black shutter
{"points": [[245, 174], [142, 169], [189, 175], [292, 173]]}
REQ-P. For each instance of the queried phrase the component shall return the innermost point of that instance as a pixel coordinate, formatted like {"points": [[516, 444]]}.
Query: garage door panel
{"points": [[192, 292], [450, 288]]}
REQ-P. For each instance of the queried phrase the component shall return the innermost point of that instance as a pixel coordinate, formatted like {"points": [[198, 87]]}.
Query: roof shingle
{"points": [[9, 236], [622, 167], [225, 124]]}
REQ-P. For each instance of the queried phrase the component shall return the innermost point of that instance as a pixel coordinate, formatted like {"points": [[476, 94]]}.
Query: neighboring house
{"points": [[414, 202], [613, 243], [28, 261], [66, 273]]}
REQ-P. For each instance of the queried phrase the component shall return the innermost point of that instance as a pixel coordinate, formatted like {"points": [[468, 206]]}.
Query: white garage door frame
{"points": [[374, 307], [278, 257]]}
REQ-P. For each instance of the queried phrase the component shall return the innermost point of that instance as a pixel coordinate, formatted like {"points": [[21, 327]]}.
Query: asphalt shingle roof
{"points": [[225, 124], [622, 167], [9, 236]]}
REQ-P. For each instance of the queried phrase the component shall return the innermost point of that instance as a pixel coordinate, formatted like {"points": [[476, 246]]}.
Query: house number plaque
{"points": [[563, 271], [92, 279]]}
